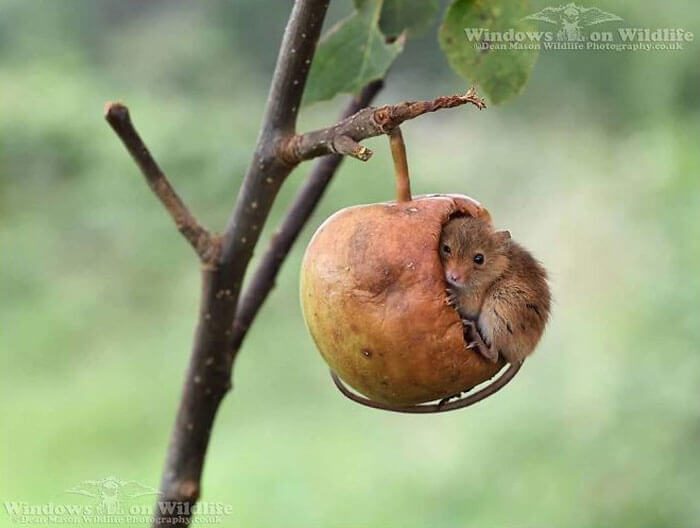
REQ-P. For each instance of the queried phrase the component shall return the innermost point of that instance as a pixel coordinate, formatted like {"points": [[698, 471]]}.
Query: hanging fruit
{"points": [[373, 297]]}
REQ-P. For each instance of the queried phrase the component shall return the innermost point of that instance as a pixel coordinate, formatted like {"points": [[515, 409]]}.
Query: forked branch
{"points": [[208, 377]]}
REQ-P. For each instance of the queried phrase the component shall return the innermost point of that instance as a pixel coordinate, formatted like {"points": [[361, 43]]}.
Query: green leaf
{"points": [[353, 53], [414, 16], [499, 73]]}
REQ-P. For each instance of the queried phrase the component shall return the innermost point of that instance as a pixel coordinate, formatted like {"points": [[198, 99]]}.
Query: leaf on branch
{"points": [[352, 54], [474, 52], [397, 16]]}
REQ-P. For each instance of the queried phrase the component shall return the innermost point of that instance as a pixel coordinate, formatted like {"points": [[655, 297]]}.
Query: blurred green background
{"points": [[595, 168]]}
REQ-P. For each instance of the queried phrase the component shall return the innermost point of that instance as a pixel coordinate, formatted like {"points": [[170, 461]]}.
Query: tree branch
{"points": [[263, 279], [204, 244], [368, 123], [208, 377], [293, 65]]}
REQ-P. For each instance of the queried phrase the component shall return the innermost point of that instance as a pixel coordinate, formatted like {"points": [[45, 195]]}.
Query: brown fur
{"points": [[506, 298]]}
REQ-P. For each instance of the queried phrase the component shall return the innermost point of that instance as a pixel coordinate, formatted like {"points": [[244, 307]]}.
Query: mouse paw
{"points": [[468, 324], [476, 342], [451, 299]]}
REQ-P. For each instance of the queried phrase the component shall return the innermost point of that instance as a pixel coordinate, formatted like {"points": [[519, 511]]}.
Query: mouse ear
{"points": [[503, 235]]}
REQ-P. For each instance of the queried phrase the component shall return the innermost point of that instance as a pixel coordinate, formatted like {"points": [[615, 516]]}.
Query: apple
{"points": [[373, 298]]}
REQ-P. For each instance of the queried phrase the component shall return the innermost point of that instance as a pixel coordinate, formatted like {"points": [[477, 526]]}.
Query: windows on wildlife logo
{"points": [[111, 501], [571, 27]]}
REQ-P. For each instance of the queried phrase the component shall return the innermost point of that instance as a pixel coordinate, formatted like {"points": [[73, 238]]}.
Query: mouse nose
{"points": [[452, 276]]}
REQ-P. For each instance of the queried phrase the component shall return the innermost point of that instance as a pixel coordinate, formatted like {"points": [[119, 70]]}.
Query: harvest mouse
{"points": [[498, 288]]}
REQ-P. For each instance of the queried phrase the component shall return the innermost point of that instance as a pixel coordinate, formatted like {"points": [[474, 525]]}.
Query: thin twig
{"points": [[347, 146], [368, 123], [117, 115], [263, 279]]}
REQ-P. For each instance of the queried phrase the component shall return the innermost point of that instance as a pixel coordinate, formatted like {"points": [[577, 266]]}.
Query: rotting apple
{"points": [[373, 297]]}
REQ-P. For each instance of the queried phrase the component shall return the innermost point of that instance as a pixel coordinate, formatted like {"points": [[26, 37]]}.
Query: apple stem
{"points": [[398, 152]]}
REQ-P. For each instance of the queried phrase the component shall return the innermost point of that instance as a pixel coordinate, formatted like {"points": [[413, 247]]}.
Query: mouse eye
{"points": [[446, 249], [478, 259]]}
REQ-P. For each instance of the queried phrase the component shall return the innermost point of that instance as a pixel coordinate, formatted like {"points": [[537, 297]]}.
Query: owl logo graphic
{"points": [[573, 18], [111, 492]]}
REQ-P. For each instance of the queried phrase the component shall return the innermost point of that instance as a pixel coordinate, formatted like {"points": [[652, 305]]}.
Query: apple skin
{"points": [[373, 298]]}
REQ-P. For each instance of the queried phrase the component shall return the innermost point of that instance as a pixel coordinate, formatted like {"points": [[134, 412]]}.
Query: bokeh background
{"points": [[595, 168]]}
